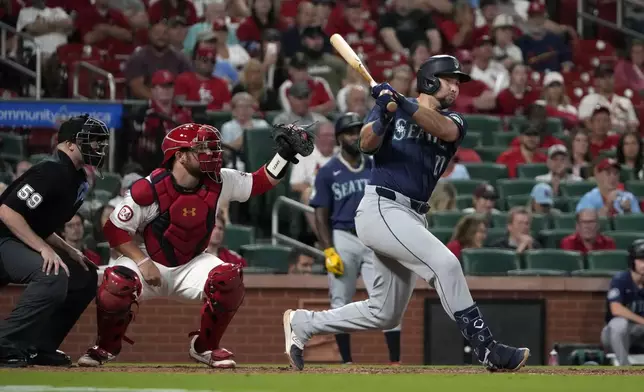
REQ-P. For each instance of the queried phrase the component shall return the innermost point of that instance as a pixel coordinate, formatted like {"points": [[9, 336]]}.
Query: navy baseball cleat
{"points": [[294, 349], [499, 357]]}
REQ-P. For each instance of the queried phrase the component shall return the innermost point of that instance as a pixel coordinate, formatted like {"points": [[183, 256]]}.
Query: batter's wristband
{"points": [[407, 106], [378, 128]]}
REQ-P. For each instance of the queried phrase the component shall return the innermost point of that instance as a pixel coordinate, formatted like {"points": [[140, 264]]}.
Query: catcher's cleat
{"points": [[95, 357], [218, 359], [499, 357], [293, 346]]}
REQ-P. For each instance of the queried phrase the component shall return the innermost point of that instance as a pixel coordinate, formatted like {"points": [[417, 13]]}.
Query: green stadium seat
{"points": [[447, 219], [490, 154], [531, 170], [614, 260], [13, 147], [626, 174], [102, 195], [631, 222], [487, 171], [499, 221], [553, 259], [266, 255], [463, 201], [511, 187], [554, 125], [483, 123], [608, 153], [624, 239], [110, 182], [238, 235], [472, 139], [576, 189], [503, 139], [594, 273], [572, 202], [568, 221], [561, 203], [270, 116], [103, 250], [36, 158], [6, 178], [552, 238], [537, 272], [494, 234], [218, 119], [465, 187], [444, 234], [562, 136], [517, 201], [635, 187], [489, 262]]}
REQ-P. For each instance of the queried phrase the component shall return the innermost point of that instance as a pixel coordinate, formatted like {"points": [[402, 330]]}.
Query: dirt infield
{"points": [[188, 369]]}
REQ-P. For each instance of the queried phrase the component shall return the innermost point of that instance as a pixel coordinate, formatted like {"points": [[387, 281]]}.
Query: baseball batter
{"points": [[162, 227], [411, 149], [339, 186]]}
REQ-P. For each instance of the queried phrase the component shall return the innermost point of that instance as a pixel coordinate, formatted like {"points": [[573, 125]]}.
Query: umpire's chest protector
{"points": [[185, 221]]}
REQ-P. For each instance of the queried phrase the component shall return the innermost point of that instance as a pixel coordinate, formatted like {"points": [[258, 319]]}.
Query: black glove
{"points": [[292, 140]]}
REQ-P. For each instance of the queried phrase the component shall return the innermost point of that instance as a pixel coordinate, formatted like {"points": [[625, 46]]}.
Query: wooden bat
{"points": [[350, 56]]}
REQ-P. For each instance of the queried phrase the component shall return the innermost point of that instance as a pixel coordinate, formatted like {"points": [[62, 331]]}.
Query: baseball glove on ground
{"points": [[292, 140]]}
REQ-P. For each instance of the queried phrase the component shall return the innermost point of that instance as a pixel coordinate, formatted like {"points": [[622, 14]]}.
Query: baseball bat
{"points": [[350, 56]]}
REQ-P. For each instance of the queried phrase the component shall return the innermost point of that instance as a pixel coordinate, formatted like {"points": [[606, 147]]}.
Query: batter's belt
{"points": [[418, 206]]}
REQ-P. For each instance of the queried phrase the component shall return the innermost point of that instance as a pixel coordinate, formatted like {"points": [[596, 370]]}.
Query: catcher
{"points": [[172, 214]]}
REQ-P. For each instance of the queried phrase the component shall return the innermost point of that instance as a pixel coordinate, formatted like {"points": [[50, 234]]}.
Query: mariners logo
{"points": [[456, 118]]}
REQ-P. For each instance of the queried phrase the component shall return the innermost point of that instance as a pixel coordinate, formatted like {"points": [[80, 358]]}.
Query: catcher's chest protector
{"points": [[182, 229]]}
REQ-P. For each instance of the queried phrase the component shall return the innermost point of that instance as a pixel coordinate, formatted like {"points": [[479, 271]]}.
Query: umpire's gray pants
{"points": [[618, 336]]}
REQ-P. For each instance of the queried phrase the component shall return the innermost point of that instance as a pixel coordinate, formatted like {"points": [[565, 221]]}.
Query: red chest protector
{"points": [[185, 221]]}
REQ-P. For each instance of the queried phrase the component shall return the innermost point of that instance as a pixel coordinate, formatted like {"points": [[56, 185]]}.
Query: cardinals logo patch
{"points": [[125, 214]]}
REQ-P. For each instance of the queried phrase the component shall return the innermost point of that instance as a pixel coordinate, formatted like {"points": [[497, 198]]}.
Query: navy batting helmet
{"points": [[347, 121], [427, 81], [635, 252]]}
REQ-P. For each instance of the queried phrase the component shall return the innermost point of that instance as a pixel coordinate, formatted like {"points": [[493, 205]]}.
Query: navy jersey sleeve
{"points": [[28, 192], [321, 194], [617, 290], [460, 123]]}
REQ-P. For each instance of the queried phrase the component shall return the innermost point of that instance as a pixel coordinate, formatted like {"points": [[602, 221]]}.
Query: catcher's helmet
{"points": [[204, 140], [635, 252], [427, 81], [347, 121]]}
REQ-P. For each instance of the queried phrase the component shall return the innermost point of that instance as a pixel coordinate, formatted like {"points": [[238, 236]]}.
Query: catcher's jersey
{"points": [[411, 161], [133, 218], [340, 187]]}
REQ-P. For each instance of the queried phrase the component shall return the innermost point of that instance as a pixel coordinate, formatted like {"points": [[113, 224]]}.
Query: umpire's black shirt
{"points": [[47, 195]]}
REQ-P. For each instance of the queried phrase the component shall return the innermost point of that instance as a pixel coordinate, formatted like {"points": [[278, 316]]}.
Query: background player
{"points": [[173, 210], [411, 150], [339, 186]]}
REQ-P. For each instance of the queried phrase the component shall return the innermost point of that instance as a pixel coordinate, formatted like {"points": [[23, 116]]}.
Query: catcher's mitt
{"points": [[292, 140]]}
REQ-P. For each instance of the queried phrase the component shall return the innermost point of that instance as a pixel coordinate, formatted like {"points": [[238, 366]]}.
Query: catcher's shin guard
{"points": [[118, 292], [224, 293]]}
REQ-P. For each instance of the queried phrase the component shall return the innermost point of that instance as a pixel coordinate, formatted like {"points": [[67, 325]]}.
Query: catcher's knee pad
{"points": [[224, 293], [117, 293]]}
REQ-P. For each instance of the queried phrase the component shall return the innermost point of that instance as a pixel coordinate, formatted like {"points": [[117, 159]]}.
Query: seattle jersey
{"points": [[626, 292], [411, 161], [340, 189]]}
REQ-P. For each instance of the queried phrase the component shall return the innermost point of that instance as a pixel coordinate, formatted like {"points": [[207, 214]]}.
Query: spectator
{"points": [[587, 237], [323, 11], [630, 150], [155, 56], [163, 10], [518, 238], [629, 72], [599, 125], [443, 198], [134, 11], [303, 174], [321, 99], [356, 101], [21, 168], [558, 168], [625, 313], [418, 54], [235, 54], [292, 37], [487, 70], [458, 30], [321, 64], [264, 15], [455, 170], [243, 109], [404, 25], [470, 232], [273, 59], [216, 244], [537, 116], [579, 147], [475, 96], [359, 32], [126, 183], [542, 200], [213, 11], [222, 68], [620, 108], [483, 201], [402, 79], [200, 86], [300, 264], [252, 82], [505, 51], [104, 28], [177, 32], [513, 100], [467, 155], [527, 152], [543, 50], [607, 199], [298, 109], [484, 18], [74, 233], [49, 26], [556, 101]]}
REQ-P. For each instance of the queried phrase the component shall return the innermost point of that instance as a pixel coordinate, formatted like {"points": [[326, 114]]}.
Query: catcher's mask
{"points": [[203, 140]]}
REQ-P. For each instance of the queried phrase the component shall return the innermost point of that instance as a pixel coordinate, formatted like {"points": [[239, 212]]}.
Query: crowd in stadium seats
{"points": [[553, 156]]}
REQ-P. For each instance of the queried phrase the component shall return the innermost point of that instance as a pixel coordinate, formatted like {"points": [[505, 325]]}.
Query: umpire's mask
{"points": [[93, 140]]}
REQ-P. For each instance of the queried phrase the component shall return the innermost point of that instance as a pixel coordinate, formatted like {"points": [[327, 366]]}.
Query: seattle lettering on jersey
{"points": [[410, 130], [348, 188]]}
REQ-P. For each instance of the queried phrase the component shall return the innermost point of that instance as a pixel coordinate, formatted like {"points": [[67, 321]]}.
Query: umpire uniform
{"points": [[32, 208]]}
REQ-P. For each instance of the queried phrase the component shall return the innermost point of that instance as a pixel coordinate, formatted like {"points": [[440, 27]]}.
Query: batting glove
{"points": [[333, 262], [379, 88]]}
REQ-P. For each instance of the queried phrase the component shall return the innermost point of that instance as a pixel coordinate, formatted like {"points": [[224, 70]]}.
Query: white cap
{"points": [[552, 77], [557, 149], [503, 20]]}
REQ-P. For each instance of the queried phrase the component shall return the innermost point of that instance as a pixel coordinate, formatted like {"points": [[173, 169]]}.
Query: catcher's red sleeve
{"points": [[261, 182]]}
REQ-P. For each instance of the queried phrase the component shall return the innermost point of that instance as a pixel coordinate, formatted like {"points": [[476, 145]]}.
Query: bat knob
{"points": [[392, 106]]}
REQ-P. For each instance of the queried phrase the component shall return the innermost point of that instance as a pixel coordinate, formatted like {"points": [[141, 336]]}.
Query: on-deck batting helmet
{"points": [[427, 81], [635, 252], [347, 121]]}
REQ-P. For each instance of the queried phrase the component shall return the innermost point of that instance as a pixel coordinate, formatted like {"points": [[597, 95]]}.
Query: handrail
{"points": [[277, 236], [92, 68], [17, 66], [583, 15]]}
